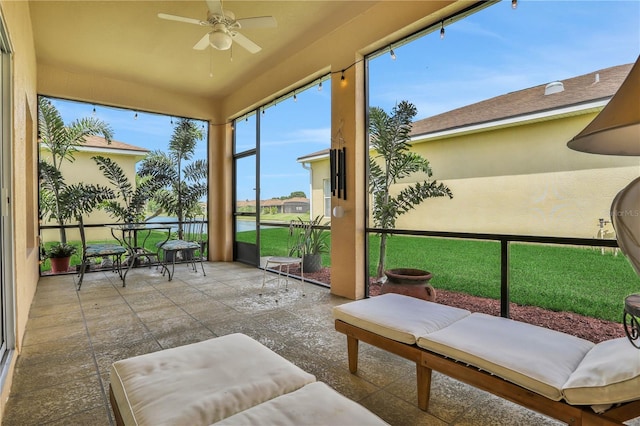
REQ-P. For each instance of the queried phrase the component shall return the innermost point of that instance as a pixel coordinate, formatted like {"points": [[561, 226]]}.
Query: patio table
{"points": [[128, 235]]}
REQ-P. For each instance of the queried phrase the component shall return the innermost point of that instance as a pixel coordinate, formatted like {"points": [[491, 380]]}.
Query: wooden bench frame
{"points": [[427, 361], [116, 410]]}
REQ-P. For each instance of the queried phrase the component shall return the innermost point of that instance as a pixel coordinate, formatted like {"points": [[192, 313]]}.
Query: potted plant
{"points": [[310, 242], [392, 162], [59, 254]]}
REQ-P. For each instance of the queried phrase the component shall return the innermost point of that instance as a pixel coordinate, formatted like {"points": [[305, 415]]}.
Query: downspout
{"points": [[307, 166]]}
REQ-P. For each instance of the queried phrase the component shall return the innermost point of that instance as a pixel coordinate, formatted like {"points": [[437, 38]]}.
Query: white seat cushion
{"points": [[397, 317], [314, 404], [201, 383], [608, 374], [533, 357]]}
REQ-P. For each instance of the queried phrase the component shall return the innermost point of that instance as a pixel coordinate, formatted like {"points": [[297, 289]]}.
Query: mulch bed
{"points": [[592, 329]]}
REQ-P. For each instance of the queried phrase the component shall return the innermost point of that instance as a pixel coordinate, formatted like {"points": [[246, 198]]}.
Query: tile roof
{"points": [[577, 90], [100, 142]]}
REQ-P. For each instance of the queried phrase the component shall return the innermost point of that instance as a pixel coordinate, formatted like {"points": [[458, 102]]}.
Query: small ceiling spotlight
{"points": [[441, 30], [135, 116], [342, 76], [295, 97], [320, 86], [94, 111], [393, 54]]}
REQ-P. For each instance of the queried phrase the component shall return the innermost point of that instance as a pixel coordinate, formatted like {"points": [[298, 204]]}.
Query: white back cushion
{"points": [[608, 374]]}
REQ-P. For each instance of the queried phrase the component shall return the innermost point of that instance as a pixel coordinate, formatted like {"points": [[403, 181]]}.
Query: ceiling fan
{"points": [[225, 27]]}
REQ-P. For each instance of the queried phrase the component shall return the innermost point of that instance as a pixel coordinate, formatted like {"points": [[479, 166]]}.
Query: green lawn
{"points": [[559, 278]]}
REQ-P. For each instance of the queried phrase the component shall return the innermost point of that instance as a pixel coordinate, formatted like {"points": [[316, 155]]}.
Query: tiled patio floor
{"points": [[73, 337]]}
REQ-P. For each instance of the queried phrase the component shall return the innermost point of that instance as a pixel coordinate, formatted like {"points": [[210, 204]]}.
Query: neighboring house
{"points": [[506, 161], [295, 205], [276, 205], [84, 169]]}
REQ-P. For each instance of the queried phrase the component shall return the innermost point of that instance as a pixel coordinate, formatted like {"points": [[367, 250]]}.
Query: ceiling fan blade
{"points": [[258, 22], [181, 19], [246, 43], [215, 7], [203, 43]]}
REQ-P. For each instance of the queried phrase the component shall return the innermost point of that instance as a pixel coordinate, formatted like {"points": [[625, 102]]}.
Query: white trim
{"points": [[7, 197], [594, 106], [112, 151], [104, 150], [314, 158]]}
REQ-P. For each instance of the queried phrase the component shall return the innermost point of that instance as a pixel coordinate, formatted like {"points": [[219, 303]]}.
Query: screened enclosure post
{"points": [[504, 278]]}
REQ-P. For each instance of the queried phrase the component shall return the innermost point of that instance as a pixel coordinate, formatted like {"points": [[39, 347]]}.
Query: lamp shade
{"points": [[616, 130], [625, 216]]}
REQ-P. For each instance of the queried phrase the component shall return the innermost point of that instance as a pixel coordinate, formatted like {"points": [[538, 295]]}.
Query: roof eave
{"points": [[555, 113]]}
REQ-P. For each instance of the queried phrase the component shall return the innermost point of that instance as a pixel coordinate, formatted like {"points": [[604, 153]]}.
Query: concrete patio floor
{"points": [[62, 374]]}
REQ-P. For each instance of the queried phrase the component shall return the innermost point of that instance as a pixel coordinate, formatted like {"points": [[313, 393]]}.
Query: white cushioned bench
{"points": [[233, 379], [565, 377]]}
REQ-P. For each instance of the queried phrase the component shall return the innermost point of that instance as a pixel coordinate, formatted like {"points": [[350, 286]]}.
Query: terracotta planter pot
{"points": [[59, 264], [410, 282]]}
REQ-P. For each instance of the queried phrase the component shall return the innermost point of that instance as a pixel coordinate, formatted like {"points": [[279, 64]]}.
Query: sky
{"points": [[493, 52]]}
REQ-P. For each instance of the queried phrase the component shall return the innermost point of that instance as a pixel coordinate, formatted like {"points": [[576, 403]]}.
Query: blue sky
{"points": [[493, 52]]}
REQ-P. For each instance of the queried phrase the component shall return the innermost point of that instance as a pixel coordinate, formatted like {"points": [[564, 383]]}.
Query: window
{"points": [[327, 197]]}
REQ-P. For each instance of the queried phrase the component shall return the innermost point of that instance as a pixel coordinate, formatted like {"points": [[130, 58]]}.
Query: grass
{"points": [[559, 278]]}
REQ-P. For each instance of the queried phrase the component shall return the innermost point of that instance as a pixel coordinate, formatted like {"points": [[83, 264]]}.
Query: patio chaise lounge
{"points": [[559, 375], [226, 380]]}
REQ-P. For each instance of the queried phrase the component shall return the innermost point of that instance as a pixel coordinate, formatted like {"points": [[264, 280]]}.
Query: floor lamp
{"points": [[616, 131]]}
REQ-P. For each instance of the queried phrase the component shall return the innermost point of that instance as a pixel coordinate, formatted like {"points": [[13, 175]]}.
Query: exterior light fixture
{"points": [[514, 4], [441, 30], [393, 54]]}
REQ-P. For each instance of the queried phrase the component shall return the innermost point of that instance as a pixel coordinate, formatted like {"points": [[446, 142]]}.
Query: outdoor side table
{"points": [[278, 263]]}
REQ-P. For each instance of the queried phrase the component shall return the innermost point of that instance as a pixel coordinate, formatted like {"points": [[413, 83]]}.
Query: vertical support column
{"points": [[347, 228], [504, 278], [220, 193]]}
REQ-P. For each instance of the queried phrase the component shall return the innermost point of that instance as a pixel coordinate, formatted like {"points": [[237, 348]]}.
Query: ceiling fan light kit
{"points": [[225, 27], [220, 40]]}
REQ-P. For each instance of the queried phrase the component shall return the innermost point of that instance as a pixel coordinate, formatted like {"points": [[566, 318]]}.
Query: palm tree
{"points": [[186, 185], [129, 207], [389, 137], [62, 142]]}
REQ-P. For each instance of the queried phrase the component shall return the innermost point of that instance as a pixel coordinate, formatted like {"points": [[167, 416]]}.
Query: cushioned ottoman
{"points": [[315, 404], [201, 383], [206, 382]]}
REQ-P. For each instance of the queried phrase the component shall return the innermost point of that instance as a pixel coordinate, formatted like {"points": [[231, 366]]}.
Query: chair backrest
{"points": [[82, 236], [194, 229], [298, 229]]}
